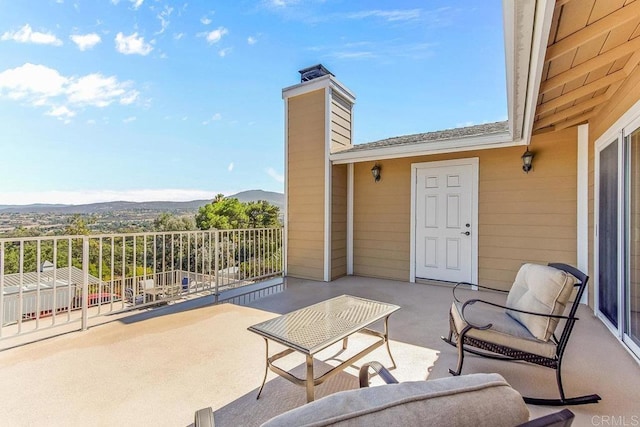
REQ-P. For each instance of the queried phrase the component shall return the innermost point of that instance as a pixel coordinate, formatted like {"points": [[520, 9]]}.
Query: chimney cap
{"points": [[313, 72]]}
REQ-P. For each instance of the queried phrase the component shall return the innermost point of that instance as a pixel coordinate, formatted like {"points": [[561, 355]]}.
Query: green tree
{"points": [[262, 214], [22, 231], [222, 214], [169, 222], [79, 225]]}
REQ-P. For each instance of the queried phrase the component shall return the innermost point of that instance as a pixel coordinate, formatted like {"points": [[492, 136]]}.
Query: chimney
{"points": [[313, 72], [318, 114]]}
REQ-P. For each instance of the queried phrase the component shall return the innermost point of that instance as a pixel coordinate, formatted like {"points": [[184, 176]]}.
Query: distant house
{"points": [[456, 205], [61, 285]]}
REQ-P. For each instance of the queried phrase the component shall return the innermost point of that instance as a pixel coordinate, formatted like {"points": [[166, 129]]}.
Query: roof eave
{"points": [[526, 30], [481, 142]]}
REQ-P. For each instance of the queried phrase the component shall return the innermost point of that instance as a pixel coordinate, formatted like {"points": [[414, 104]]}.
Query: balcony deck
{"points": [[157, 367]]}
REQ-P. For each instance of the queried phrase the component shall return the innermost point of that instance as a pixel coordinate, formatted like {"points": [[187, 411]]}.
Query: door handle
{"points": [[466, 233]]}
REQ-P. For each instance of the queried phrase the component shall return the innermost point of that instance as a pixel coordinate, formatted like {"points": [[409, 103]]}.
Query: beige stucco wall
{"points": [[522, 217], [339, 221], [305, 185]]}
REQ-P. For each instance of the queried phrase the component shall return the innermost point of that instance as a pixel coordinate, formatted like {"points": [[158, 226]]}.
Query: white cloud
{"points": [[216, 35], [136, 3], [32, 81], [252, 40], [230, 167], [163, 16], [354, 55], [40, 86], [91, 122], [60, 112], [27, 35], [97, 196], [96, 90], [178, 36], [224, 52], [86, 41], [275, 175], [281, 3], [130, 97], [132, 44], [129, 119], [205, 20], [115, 2], [389, 15], [214, 118]]}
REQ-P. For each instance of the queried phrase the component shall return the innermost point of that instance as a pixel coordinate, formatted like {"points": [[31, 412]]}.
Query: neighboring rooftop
{"points": [[62, 274], [436, 136]]}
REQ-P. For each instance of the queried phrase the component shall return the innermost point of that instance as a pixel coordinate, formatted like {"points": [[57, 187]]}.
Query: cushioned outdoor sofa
{"points": [[468, 400]]}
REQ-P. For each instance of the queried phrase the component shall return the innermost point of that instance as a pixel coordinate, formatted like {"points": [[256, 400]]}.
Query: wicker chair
{"points": [[524, 329]]}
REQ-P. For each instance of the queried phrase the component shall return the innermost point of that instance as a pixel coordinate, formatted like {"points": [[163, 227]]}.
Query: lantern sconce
{"points": [[527, 159], [375, 171]]}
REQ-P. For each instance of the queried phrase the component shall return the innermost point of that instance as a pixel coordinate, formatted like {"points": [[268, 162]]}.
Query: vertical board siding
{"points": [[339, 222], [305, 185], [340, 123], [522, 217]]}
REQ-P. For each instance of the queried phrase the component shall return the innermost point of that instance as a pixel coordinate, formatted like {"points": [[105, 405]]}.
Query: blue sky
{"points": [[179, 100]]}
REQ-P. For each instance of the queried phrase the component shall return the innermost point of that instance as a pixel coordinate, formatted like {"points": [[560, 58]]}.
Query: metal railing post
{"points": [[2, 315], [216, 262], [85, 283]]}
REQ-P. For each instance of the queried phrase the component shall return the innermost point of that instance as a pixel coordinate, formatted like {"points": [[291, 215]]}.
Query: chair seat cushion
{"points": [[477, 399], [505, 330], [540, 289]]}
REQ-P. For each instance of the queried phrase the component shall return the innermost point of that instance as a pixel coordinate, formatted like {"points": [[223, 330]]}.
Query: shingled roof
{"points": [[485, 129]]}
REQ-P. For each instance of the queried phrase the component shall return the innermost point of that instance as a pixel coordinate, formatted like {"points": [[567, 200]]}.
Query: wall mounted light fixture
{"points": [[375, 171], [527, 159]]}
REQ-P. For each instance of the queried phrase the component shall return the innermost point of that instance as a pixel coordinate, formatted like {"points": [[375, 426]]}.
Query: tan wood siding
{"points": [[339, 221], [381, 220], [522, 217], [305, 185], [340, 123]]}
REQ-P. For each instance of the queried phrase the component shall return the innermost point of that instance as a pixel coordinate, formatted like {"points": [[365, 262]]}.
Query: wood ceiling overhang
{"points": [[594, 46]]}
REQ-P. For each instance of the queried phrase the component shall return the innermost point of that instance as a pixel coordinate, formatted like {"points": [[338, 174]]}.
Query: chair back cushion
{"points": [[480, 400], [540, 289]]}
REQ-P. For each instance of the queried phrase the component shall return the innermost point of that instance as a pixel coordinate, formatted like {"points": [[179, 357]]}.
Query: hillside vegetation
{"points": [[115, 217]]}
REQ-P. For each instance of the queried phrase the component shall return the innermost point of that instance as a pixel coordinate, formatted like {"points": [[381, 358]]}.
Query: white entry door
{"points": [[446, 220]]}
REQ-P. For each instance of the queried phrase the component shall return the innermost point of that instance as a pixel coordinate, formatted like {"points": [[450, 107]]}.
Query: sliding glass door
{"points": [[618, 234], [608, 225], [632, 289]]}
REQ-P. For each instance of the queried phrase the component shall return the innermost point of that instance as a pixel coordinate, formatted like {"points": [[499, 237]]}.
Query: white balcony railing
{"points": [[55, 280]]}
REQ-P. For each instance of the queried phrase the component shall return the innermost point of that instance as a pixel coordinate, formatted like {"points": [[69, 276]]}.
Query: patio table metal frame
{"points": [[314, 328]]}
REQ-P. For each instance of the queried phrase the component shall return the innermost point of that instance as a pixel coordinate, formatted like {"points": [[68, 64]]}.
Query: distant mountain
{"points": [[97, 208], [255, 195], [34, 206]]}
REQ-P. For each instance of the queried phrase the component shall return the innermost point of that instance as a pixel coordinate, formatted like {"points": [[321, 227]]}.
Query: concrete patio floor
{"points": [[157, 367]]}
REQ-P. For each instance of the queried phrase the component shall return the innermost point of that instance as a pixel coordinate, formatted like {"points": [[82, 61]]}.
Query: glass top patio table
{"points": [[318, 326]]}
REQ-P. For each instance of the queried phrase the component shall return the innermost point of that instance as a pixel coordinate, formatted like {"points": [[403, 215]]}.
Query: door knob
{"points": [[466, 233]]}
